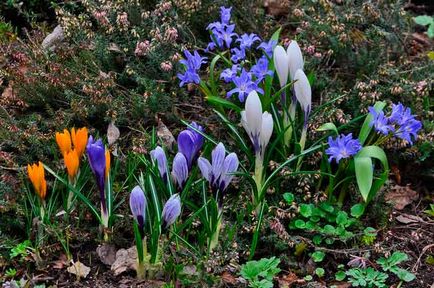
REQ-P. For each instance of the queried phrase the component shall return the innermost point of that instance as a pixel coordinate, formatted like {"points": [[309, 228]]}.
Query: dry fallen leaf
{"points": [[401, 196], [79, 269], [286, 281], [106, 253], [61, 262], [166, 136], [407, 218], [113, 133], [228, 278], [125, 260]]}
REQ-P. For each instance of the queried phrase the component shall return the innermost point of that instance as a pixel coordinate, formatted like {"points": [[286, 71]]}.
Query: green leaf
{"points": [[366, 127], [329, 229], [342, 218], [318, 256], [306, 210], [430, 31], [300, 224], [423, 20], [403, 274], [288, 197], [320, 272], [317, 239], [364, 175], [328, 127], [357, 210], [220, 102], [369, 231], [430, 55], [377, 153], [340, 276]]}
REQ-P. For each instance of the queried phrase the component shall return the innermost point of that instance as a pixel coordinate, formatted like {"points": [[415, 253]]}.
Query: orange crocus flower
{"points": [[71, 163], [107, 162], [64, 141], [79, 139], [37, 177]]}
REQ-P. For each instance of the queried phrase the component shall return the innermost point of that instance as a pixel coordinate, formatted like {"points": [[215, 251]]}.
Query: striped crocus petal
{"points": [[158, 156], [138, 205], [180, 170], [171, 210]]}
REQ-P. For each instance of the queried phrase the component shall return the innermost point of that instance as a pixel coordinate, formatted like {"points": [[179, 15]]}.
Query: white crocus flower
{"points": [[295, 58], [258, 125], [281, 60], [303, 92]]}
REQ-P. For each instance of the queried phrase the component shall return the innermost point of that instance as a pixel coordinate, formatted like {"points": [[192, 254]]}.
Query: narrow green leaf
{"points": [[328, 127], [218, 101]]}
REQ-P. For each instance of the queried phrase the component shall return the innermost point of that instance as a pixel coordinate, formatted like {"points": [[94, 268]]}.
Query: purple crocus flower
{"points": [[268, 47], [228, 74], [192, 64], [190, 142], [342, 147], [171, 210], [244, 85], [247, 40], [238, 54], [158, 156], [180, 170], [138, 206], [380, 122], [96, 155], [260, 69], [220, 173]]}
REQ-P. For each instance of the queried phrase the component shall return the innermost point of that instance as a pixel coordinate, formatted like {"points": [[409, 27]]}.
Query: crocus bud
{"points": [[171, 210], [219, 173], [281, 64], [79, 139], [97, 160], [295, 58], [190, 142], [138, 206], [258, 125], [64, 141], [37, 177], [303, 92], [180, 170], [158, 156], [71, 163]]}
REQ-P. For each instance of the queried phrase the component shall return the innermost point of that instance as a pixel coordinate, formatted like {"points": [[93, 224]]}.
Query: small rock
{"points": [[53, 38], [125, 260], [106, 253]]}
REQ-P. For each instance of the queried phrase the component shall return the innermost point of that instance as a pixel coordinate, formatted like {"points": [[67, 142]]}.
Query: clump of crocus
{"points": [[72, 146], [138, 205], [99, 160], [219, 174], [287, 63], [171, 210], [36, 175], [259, 127]]}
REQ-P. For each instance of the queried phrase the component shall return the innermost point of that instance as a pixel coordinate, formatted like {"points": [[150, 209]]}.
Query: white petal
{"points": [[266, 129], [253, 113], [281, 60], [302, 90], [295, 58]]}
